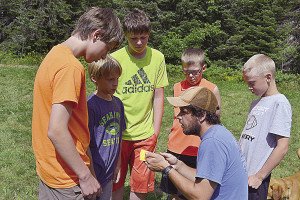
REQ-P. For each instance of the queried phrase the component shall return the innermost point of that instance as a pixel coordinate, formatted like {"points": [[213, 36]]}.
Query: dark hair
{"points": [[211, 118], [136, 21]]}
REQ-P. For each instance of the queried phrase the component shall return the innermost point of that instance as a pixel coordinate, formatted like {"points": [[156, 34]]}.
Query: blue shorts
{"points": [[106, 191], [261, 192]]}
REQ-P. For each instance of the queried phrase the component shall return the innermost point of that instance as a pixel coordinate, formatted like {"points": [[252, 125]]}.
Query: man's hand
{"points": [[156, 162], [254, 181], [172, 160], [89, 186]]}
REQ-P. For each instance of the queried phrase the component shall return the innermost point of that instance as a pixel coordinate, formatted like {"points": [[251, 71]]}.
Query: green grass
{"points": [[18, 179]]}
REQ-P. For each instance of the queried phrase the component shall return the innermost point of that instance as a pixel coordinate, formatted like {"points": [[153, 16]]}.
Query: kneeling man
{"points": [[220, 172]]}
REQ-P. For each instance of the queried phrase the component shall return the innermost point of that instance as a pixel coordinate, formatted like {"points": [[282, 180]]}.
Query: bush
{"points": [[12, 59], [213, 73], [287, 78], [172, 47], [216, 74]]}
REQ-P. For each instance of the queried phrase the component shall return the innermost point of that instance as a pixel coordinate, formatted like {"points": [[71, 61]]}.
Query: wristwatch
{"points": [[166, 171]]}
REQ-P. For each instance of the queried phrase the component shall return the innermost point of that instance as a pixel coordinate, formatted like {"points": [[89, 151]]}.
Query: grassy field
{"points": [[18, 179]]}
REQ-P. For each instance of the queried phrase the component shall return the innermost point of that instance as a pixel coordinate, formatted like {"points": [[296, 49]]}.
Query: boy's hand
{"points": [[254, 181], [90, 187], [151, 142], [154, 138], [117, 174]]}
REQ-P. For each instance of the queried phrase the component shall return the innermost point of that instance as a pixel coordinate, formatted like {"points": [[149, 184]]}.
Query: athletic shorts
{"points": [[46, 192], [261, 192], [166, 184], [106, 191], [141, 178]]}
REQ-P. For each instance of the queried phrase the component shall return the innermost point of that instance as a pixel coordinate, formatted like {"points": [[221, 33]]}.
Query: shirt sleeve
{"points": [[162, 79], [91, 115], [67, 85], [211, 160], [282, 122]]}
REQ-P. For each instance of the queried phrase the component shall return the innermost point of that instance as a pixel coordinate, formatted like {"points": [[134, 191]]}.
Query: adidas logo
{"points": [[138, 83]]}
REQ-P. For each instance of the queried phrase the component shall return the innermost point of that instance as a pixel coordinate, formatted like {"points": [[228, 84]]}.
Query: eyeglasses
{"points": [[192, 72]]}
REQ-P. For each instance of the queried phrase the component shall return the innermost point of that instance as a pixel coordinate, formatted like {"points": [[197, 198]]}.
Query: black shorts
{"points": [[166, 185], [261, 192]]}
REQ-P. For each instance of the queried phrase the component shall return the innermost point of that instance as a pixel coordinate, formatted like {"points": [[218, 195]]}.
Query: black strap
{"points": [[166, 171]]}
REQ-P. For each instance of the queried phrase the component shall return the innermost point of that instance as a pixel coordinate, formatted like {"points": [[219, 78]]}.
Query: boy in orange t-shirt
{"points": [[185, 147], [60, 135]]}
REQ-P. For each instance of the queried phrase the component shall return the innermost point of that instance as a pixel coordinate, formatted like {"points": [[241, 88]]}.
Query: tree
{"points": [[38, 25], [230, 31]]}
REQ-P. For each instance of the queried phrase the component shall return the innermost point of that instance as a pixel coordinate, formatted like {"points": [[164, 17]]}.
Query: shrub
{"points": [[213, 73], [287, 78], [216, 73], [29, 59]]}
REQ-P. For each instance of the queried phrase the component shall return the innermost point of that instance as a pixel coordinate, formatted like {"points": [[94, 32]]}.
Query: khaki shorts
{"points": [[48, 193]]}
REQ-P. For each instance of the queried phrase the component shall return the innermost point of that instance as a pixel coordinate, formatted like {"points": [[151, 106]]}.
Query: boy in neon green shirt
{"points": [[141, 89]]}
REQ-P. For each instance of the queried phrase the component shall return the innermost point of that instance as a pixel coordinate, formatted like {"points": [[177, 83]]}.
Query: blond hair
{"points": [[136, 21], [193, 56], [104, 67], [258, 65], [100, 18]]}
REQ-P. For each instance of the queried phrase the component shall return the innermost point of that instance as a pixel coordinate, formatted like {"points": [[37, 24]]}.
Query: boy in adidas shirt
{"points": [[141, 89]]}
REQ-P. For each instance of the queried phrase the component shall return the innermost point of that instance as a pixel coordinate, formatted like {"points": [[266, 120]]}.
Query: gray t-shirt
{"points": [[268, 116]]}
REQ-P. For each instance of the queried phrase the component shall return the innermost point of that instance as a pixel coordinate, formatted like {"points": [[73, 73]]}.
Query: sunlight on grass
{"points": [[18, 178]]}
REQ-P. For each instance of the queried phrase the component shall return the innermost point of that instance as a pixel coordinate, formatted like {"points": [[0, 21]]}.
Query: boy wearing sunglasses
{"points": [[185, 147]]}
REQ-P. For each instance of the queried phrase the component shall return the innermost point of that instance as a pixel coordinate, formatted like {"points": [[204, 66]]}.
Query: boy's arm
{"points": [[274, 159], [60, 136], [218, 96], [89, 153], [117, 171], [158, 109], [91, 167]]}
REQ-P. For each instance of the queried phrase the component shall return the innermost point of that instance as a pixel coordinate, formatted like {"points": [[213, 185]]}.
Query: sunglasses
{"points": [[192, 72]]}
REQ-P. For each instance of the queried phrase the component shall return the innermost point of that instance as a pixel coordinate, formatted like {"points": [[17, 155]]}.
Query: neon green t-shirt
{"points": [[136, 88]]}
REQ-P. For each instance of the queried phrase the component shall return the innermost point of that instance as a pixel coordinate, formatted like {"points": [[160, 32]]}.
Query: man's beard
{"points": [[192, 130]]}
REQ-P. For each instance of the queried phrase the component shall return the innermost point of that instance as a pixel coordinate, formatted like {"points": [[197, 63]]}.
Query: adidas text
{"points": [[137, 89]]}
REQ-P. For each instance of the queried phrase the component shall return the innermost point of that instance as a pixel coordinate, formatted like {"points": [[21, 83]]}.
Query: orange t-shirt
{"points": [[60, 78], [179, 142]]}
